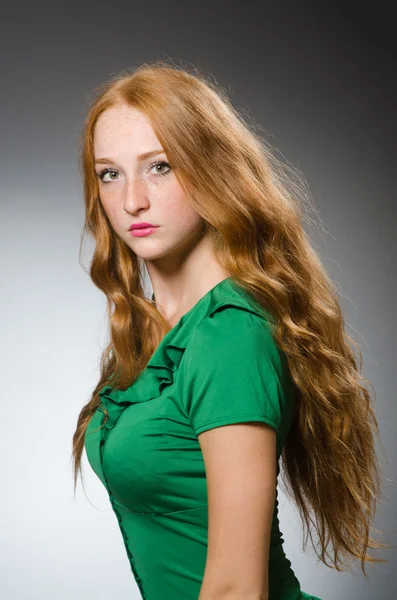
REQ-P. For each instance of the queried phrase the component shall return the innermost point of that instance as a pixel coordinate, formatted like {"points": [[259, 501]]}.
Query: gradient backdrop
{"points": [[319, 80]]}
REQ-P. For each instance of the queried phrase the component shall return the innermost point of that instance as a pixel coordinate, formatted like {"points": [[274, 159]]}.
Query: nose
{"points": [[135, 195]]}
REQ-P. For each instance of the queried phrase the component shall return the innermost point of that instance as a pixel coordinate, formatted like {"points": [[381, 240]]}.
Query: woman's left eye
{"points": [[161, 163]]}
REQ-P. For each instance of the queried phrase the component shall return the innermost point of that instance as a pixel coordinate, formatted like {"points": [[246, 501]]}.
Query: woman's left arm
{"points": [[240, 464]]}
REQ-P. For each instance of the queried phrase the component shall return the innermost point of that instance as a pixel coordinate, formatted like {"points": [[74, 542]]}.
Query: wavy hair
{"points": [[253, 207]]}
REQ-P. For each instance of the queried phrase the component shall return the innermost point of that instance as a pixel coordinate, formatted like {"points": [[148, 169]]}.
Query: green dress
{"points": [[218, 365]]}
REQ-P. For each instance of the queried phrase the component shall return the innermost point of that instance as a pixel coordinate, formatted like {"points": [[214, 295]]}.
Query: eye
{"points": [[104, 172], [161, 163], [113, 172]]}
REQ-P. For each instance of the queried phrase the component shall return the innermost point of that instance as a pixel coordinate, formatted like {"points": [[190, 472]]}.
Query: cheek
{"points": [[109, 203], [179, 211], [110, 208], [104, 199]]}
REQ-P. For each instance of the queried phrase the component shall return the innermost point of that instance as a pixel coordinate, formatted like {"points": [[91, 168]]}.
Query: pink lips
{"points": [[141, 225], [142, 231]]}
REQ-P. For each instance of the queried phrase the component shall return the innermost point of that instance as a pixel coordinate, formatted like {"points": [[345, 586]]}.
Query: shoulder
{"points": [[233, 332], [234, 371]]}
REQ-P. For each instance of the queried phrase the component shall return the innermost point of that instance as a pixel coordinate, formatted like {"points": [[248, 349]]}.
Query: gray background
{"points": [[319, 79]]}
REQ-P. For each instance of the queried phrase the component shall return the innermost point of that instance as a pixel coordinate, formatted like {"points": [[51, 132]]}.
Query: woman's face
{"points": [[133, 189]]}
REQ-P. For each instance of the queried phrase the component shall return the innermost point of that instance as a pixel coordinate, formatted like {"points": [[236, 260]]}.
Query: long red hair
{"points": [[254, 208]]}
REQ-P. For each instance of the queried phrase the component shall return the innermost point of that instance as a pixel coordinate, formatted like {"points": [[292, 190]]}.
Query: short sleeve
{"points": [[233, 371]]}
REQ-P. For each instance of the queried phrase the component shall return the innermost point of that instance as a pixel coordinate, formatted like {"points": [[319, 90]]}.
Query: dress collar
{"points": [[164, 362]]}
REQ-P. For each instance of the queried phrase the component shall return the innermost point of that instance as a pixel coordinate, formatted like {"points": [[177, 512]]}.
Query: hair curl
{"points": [[253, 207]]}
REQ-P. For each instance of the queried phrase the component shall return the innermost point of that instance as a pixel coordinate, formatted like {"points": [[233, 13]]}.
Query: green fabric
{"points": [[218, 365]]}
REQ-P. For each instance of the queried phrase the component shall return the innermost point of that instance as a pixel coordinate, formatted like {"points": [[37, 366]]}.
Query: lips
{"points": [[141, 226]]}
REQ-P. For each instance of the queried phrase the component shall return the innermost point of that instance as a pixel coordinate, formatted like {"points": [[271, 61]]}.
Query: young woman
{"points": [[239, 360]]}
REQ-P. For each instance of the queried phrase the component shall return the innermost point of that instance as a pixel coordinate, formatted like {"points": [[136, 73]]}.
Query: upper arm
{"points": [[234, 400], [240, 464], [233, 372]]}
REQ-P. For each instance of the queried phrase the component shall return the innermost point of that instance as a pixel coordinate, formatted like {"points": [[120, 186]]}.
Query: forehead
{"points": [[123, 126]]}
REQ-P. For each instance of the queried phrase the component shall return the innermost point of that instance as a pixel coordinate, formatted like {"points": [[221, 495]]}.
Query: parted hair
{"points": [[255, 207]]}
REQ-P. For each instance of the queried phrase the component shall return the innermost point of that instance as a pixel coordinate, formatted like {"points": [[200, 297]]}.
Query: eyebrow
{"points": [[140, 157]]}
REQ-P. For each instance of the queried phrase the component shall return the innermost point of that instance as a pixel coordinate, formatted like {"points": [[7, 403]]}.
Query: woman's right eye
{"points": [[104, 172]]}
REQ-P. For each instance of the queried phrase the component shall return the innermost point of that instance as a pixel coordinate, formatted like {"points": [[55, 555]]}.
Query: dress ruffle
{"points": [[159, 371], [158, 374]]}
